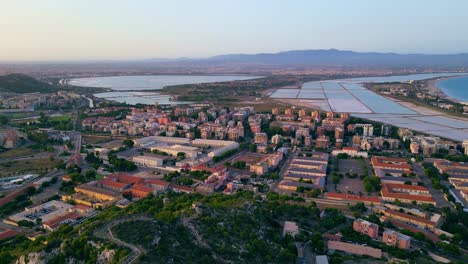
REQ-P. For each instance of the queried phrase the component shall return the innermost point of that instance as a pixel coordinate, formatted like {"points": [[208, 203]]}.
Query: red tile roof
{"points": [[7, 234], [409, 217], [125, 178], [414, 229], [142, 188], [386, 162], [113, 184], [352, 197], [157, 182], [388, 192], [10, 197], [82, 207], [350, 148], [204, 167], [54, 223]]}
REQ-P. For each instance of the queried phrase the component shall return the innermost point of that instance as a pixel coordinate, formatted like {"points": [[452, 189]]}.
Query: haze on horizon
{"points": [[119, 29]]}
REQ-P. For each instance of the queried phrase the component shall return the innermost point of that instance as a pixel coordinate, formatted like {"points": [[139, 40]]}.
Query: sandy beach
{"points": [[431, 86]]}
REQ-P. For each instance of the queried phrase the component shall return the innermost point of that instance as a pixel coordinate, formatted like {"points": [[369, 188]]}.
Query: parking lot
{"points": [[347, 184]]}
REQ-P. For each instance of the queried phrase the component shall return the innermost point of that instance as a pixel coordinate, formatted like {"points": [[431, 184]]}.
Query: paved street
{"points": [[436, 194]]}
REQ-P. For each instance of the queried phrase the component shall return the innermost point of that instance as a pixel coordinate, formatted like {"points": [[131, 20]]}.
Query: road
{"points": [[436, 194], [105, 232], [283, 169], [48, 191]]}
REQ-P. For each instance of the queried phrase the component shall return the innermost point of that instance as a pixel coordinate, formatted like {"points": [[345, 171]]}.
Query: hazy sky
{"points": [[133, 29]]}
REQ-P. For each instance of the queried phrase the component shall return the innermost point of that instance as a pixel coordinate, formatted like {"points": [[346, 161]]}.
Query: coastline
{"points": [[432, 87]]}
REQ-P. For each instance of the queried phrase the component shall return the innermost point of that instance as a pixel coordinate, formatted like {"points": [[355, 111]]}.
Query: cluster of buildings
{"points": [[211, 124], [429, 146], [307, 170], [367, 140], [393, 170], [113, 188], [50, 215], [458, 177], [389, 237], [192, 152], [30, 101]]}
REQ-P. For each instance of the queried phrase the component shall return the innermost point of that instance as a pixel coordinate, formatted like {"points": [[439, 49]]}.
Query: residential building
{"points": [[396, 239], [261, 138], [367, 228], [290, 228]]}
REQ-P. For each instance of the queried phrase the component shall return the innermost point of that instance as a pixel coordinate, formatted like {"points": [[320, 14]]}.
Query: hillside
{"points": [[343, 58], [181, 228], [19, 83]]}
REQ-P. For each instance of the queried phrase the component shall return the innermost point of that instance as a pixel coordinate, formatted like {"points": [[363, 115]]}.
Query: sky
{"points": [[34, 30]]}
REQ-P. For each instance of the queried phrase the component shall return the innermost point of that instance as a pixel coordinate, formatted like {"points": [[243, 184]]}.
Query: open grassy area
{"points": [[95, 139], [60, 118], [17, 152], [25, 166]]}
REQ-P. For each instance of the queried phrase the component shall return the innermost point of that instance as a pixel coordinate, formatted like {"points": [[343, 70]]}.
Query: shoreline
{"points": [[432, 87]]}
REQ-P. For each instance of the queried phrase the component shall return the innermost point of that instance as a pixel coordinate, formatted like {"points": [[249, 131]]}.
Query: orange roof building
{"points": [[406, 193], [352, 197], [391, 163], [407, 218], [60, 220], [140, 191], [4, 234], [124, 178]]}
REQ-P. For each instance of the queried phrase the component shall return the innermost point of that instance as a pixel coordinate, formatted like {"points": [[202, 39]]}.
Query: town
{"points": [[394, 193]]}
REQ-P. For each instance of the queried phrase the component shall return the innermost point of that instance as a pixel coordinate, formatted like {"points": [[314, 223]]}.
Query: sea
{"points": [[455, 87]]}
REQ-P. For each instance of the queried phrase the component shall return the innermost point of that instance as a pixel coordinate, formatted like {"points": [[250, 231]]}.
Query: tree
{"points": [[128, 143], [252, 148], [181, 155], [342, 156], [4, 120], [90, 175], [335, 178]]}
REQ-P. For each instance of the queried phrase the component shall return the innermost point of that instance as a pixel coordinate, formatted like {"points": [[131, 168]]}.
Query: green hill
{"points": [[20, 83]]}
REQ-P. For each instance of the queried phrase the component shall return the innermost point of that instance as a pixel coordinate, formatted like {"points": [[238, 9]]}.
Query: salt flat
{"points": [[350, 96]]}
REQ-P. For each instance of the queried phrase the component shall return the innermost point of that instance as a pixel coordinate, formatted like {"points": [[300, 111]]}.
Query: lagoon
{"points": [[152, 82]]}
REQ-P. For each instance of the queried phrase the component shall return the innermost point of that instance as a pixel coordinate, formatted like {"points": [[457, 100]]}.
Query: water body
{"points": [[402, 78], [148, 82], [152, 82], [134, 98], [455, 87]]}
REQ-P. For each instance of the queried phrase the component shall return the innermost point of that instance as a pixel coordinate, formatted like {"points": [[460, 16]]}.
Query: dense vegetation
{"points": [[20, 83], [239, 228]]}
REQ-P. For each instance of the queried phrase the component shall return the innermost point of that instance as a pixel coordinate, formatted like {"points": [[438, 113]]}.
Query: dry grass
{"points": [[26, 166], [18, 152]]}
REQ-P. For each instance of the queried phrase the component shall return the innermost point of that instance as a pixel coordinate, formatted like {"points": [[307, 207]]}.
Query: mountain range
{"points": [[335, 57]]}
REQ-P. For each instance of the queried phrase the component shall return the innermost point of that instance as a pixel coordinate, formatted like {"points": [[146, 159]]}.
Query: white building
{"points": [[190, 152], [148, 161], [465, 146], [368, 130]]}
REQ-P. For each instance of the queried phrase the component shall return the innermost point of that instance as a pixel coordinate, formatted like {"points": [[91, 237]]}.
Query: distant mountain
{"points": [[343, 58], [20, 83]]}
